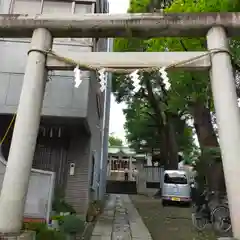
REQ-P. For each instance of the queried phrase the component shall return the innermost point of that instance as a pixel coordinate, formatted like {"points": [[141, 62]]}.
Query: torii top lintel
{"points": [[119, 25]]}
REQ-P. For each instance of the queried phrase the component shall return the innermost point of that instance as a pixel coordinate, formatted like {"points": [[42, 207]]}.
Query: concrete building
{"points": [[70, 133]]}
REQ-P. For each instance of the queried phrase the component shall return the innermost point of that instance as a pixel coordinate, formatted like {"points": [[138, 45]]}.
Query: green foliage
{"points": [[60, 205], [141, 128], [204, 6], [49, 234], [213, 153], [114, 141], [207, 158], [42, 232], [143, 124], [35, 226], [59, 218], [138, 6], [72, 225], [190, 87], [186, 87]]}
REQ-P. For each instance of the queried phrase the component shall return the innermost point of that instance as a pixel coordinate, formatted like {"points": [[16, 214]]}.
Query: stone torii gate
{"points": [[42, 28]]}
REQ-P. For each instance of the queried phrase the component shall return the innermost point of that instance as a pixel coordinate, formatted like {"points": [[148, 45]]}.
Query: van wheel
{"points": [[164, 203]]}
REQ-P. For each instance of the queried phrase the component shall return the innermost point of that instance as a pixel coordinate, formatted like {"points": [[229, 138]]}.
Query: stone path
{"points": [[120, 221]]}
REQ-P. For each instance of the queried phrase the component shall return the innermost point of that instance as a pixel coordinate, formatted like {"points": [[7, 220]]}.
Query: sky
{"points": [[117, 118]]}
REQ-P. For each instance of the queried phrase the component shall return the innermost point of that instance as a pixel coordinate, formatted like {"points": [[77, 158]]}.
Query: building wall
{"points": [[77, 188], [95, 117], [61, 98], [51, 152]]}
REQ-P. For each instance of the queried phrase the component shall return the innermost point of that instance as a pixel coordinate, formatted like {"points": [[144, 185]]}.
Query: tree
{"points": [[153, 95], [190, 93], [141, 129], [114, 141]]}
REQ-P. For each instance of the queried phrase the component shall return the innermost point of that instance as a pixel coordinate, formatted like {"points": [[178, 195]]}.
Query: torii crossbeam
{"points": [[144, 25], [43, 28]]}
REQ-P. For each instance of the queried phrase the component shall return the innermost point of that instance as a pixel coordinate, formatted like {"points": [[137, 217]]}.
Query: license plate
{"points": [[175, 199]]}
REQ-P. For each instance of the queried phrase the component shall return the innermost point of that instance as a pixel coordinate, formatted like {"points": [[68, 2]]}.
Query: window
{"points": [[175, 179]]}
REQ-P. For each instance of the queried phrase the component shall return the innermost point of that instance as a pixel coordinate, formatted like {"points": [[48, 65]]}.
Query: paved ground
{"points": [[120, 221], [168, 223], [143, 218]]}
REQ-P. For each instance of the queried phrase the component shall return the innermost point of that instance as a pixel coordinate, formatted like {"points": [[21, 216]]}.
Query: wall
{"points": [[77, 188], [61, 98], [40, 192], [55, 153], [153, 174], [51, 152], [95, 118]]}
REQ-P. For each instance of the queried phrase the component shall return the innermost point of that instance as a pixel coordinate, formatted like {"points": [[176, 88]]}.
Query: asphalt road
{"points": [[171, 222]]}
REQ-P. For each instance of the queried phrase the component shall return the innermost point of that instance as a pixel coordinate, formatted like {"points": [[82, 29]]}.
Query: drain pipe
{"points": [[105, 129]]}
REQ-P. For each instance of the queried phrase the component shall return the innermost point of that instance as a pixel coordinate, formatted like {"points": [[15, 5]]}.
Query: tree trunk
{"points": [[166, 131], [172, 146], [164, 153], [207, 139]]}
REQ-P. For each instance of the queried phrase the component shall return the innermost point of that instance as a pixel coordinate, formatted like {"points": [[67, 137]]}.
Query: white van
{"points": [[176, 187]]}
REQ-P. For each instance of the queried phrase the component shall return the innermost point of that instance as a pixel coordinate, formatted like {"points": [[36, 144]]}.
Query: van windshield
{"points": [[176, 179]]}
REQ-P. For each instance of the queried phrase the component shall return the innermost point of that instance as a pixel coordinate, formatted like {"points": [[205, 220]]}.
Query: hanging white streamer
{"points": [[77, 76], [136, 81], [134, 76], [103, 79], [164, 76]]}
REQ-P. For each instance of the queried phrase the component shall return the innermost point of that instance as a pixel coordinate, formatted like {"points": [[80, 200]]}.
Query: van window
{"points": [[176, 179]]}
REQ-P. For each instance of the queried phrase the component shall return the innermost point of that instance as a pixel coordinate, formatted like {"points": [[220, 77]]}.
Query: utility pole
{"points": [[16, 179]]}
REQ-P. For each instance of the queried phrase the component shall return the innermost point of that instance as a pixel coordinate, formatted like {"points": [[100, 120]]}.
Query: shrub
{"points": [[35, 226], [72, 225], [59, 218], [48, 234], [59, 205], [42, 232]]}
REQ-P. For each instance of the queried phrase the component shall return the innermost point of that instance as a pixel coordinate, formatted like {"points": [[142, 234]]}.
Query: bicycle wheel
{"points": [[221, 219], [199, 222]]}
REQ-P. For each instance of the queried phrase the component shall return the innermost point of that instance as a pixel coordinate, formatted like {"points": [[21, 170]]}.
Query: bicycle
{"points": [[218, 217]]}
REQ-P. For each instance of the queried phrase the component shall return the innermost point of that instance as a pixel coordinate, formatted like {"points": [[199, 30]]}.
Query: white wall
{"points": [[40, 192]]}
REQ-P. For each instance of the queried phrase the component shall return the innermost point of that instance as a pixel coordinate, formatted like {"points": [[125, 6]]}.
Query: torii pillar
{"points": [[228, 119], [16, 179]]}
